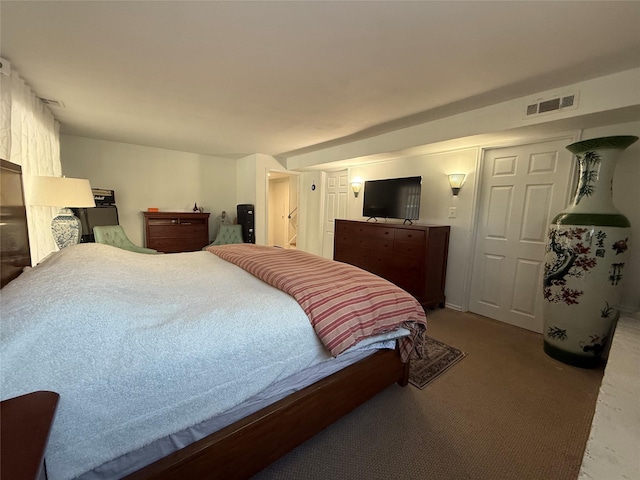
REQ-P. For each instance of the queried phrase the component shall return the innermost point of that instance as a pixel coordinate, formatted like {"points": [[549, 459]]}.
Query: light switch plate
{"points": [[452, 212]]}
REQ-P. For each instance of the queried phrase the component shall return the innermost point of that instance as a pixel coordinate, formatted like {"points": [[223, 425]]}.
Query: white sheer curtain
{"points": [[35, 145], [5, 110]]}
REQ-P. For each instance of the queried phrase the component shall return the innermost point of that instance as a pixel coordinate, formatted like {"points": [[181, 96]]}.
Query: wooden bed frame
{"points": [[247, 446], [244, 448]]}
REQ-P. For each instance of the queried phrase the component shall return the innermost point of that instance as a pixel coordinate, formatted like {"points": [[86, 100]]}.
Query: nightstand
{"points": [[25, 423]]}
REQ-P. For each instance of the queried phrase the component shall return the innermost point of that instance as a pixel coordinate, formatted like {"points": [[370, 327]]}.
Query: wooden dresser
{"points": [[414, 257], [172, 232]]}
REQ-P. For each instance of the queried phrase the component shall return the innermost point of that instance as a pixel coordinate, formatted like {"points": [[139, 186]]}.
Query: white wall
{"points": [[310, 210], [246, 180], [145, 177]]}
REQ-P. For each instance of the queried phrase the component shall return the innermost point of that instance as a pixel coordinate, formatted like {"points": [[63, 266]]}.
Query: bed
{"points": [[184, 334]]}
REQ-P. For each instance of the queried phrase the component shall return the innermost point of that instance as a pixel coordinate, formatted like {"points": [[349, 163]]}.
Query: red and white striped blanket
{"points": [[344, 303]]}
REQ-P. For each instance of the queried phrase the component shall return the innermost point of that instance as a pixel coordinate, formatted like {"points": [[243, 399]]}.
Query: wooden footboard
{"points": [[249, 445]]}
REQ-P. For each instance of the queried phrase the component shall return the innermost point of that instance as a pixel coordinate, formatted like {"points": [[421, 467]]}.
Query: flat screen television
{"points": [[392, 198]]}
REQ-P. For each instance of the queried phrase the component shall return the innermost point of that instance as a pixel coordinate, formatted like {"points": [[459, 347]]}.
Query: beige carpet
{"points": [[508, 411]]}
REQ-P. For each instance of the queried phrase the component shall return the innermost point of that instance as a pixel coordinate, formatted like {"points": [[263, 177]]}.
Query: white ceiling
{"points": [[234, 78]]}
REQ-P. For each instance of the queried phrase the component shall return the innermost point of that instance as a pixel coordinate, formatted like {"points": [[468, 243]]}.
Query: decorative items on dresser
{"points": [[414, 257], [585, 257], [172, 232]]}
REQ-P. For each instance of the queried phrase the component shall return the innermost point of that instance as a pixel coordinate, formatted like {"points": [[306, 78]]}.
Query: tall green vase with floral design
{"points": [[585, 259]]}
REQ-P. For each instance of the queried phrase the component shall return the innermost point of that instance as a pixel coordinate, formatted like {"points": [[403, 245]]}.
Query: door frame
{"points": [[283, 184], [571, 137], [287, 173]]}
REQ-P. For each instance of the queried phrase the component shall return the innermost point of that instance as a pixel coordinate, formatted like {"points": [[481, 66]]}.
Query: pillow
{"points": [[228, 234]]}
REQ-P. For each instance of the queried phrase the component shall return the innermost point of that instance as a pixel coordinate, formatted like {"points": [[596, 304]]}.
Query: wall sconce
{"points": [[63, 192], [356, 185], [456, 180]]}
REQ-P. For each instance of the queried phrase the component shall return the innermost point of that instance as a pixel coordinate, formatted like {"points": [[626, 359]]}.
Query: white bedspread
{"points": [[141, 346]]}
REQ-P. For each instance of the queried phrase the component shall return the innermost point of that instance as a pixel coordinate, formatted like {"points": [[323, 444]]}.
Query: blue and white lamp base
{"points": [[66, 228]]}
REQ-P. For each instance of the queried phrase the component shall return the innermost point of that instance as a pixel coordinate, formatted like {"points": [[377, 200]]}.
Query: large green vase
{"points": [[586, 251]]}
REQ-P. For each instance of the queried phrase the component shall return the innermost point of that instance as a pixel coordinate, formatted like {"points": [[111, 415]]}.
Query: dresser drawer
{"points": [[407, 235], [177, 221], [352, 255], [409, 242], [408, 273], [373, 243], [177, 231], [172, 232], [364, 236], [411, 249], [194, 221], [172, 245], [162, 221]]}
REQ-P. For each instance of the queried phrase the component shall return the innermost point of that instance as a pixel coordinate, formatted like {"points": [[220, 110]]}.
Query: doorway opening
{"points": [[282, 206]]}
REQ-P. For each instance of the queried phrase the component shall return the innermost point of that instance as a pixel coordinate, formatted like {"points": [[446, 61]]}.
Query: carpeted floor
{"points": [[506, 412]]}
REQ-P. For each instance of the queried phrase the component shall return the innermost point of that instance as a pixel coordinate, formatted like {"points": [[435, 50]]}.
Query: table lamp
{"points": [[66, 193]]}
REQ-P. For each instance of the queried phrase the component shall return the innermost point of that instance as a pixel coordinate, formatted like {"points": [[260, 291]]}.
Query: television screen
{"points": [[392, 198]]}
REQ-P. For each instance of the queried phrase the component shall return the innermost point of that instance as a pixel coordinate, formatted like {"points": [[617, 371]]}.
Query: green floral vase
{"points": [[586, 252]]}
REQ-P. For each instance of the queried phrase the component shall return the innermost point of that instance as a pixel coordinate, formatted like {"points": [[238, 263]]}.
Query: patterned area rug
{"points": [[439, 357]]}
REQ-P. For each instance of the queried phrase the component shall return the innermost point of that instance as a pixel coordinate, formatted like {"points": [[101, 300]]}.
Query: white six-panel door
{"points": [[522, 188], [335, 206]]}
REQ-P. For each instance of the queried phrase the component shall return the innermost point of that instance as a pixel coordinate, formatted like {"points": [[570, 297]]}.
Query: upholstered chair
{"points": [[114, 235], [228, 233]]}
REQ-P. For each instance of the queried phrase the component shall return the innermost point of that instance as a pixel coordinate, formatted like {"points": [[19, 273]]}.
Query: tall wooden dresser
{"points": [[414, 257], [172, 232]]}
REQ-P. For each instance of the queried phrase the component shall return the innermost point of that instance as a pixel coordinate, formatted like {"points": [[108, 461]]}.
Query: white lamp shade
{"points": [[61, 192], [456, 180], [356, 185]]}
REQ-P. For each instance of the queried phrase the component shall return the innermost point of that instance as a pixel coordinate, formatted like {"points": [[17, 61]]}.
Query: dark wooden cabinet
{"points": [[172, 232], [24, 433], [414, 257]]}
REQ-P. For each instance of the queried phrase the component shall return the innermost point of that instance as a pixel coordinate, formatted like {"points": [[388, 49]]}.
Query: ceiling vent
{"points": [[52, 103], [555, 103]]}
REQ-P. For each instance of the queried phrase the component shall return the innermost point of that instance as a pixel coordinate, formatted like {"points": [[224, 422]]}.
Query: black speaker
{"points": [[246, 219]]}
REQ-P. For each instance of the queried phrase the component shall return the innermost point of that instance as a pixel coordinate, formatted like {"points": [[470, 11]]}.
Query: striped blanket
{"points": [[344, 303]]}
